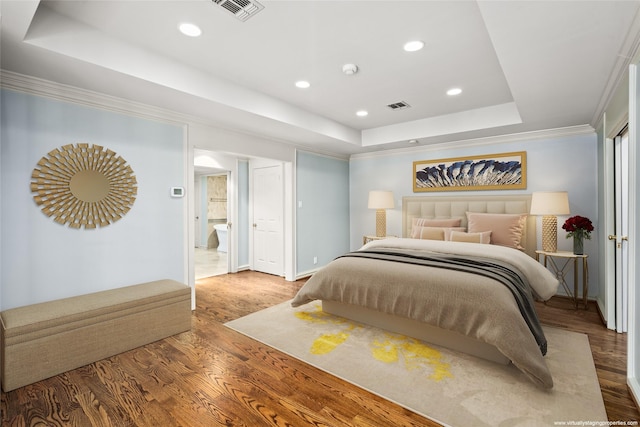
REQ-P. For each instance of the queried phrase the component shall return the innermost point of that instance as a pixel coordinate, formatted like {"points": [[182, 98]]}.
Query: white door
{"points": [[268, 212], [621, 154]]}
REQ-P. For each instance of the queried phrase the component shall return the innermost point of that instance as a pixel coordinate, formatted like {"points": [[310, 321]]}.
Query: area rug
{"points": [[451, 388]]}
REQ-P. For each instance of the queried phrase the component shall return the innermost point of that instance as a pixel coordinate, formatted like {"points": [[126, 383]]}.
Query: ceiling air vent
{"points": [[241, 9], [399, 105]]}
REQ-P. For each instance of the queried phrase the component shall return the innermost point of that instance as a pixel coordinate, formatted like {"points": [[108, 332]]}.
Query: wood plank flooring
{"points": [[213, 376]]}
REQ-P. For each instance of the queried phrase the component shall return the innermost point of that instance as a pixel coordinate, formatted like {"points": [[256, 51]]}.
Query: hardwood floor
{"points": [[213, 376]]}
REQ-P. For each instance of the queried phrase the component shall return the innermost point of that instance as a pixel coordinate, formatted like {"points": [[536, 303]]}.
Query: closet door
{"points": [[620, 238], [268, 223]]}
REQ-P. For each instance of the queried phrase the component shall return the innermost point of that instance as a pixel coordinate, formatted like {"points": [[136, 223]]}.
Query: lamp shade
{"points": [[381, 200], [550, 203]]}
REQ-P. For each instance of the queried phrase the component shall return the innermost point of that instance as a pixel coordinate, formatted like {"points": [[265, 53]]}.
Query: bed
{"points": [[438, 284]]}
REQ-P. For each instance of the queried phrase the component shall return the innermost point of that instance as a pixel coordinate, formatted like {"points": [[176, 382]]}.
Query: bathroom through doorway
{"points": [[212, 244]]}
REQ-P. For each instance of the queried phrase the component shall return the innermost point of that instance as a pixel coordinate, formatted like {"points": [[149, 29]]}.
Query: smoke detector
{"points": [[349, 69]]}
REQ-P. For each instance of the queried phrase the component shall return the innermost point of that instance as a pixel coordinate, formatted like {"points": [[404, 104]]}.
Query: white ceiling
{"points": [[522, 65]]}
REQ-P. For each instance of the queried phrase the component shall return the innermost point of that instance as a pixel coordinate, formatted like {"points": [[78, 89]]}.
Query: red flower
{"points": [[578, 226]]}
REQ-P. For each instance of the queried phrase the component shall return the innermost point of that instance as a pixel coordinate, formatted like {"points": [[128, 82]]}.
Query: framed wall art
{"points": [[506, 171]]}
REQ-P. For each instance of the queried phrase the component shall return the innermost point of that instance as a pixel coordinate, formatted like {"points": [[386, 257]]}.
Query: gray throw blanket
{"points": [[491, 268]]}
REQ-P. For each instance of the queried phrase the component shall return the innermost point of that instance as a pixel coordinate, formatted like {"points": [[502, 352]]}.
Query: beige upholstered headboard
{"points": [[433, 207]]}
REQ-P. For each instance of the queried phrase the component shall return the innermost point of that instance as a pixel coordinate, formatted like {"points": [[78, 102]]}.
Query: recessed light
{"points": [[454, 91], [302, 84], [189, 29], [362, 113], [413, 46]]}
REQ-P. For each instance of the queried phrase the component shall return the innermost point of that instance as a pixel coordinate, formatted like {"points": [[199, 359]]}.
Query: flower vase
{"points": [[578, 245]]}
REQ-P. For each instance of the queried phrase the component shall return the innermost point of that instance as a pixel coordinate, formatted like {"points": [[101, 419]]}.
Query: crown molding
{"points": [[629, 53], [492, 140], [66, 93]]}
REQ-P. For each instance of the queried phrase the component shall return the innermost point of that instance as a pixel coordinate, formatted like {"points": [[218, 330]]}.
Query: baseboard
{"points": [[305, 274], [634, 387], [601, 312], [567, 297]]}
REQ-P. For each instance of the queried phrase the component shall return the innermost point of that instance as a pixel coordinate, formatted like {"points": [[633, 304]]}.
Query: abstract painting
{"points": [[506, 171]]}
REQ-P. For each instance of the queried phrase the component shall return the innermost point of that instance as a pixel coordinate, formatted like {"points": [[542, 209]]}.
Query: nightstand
{"points": [[560, 264], [367, 239]]}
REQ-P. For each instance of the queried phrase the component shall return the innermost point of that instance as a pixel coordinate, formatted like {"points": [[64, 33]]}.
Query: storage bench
{"points": [[43, 340]]}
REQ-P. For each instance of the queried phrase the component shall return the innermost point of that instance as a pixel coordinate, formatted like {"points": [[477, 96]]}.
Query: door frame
{"points": [[609, 309], [621, 156], [633, 333]]}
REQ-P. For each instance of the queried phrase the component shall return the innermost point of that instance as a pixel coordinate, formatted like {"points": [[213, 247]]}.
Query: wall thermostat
{"points": [[177, 191]]}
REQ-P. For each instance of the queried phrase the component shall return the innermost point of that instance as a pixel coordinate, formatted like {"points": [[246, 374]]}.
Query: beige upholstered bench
{"points": [[42, 340]]}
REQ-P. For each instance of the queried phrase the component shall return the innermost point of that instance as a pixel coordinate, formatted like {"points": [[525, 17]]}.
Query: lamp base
{"points": [[381, 223], [550, 233]]}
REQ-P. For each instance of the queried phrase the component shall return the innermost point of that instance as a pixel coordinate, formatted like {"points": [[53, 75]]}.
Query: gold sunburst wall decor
{"points": [[84, 186]]}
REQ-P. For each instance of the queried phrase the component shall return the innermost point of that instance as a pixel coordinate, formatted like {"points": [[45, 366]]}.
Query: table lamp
{"points": [[549, 204], [380, 201]]}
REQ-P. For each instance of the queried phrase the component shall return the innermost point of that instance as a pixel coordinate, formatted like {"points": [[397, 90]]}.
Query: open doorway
{"points": [[241, 208], [211, 252], [211, 215]]}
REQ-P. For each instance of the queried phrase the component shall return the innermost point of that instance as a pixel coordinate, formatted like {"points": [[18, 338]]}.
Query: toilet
{"points": [[221, 231]]}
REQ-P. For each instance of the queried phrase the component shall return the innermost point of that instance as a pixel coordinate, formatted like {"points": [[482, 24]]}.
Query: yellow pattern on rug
{"points": [[391, 349], [328, 342], [414, 353], [318, 316]]}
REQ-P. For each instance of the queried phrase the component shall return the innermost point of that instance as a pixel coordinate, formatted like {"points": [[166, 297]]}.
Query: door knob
{"points": [[614, 237]]}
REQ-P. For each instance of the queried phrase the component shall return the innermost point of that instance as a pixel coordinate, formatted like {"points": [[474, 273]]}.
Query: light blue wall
{"points": [[322, 212], [568, 163], [42, 260]]}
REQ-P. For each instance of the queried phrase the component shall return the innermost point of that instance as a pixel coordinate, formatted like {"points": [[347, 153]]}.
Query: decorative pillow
{"points": [[434, 233], [449, 230], [429, 233], [506, 229], [481, 237], [446, 222]]}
